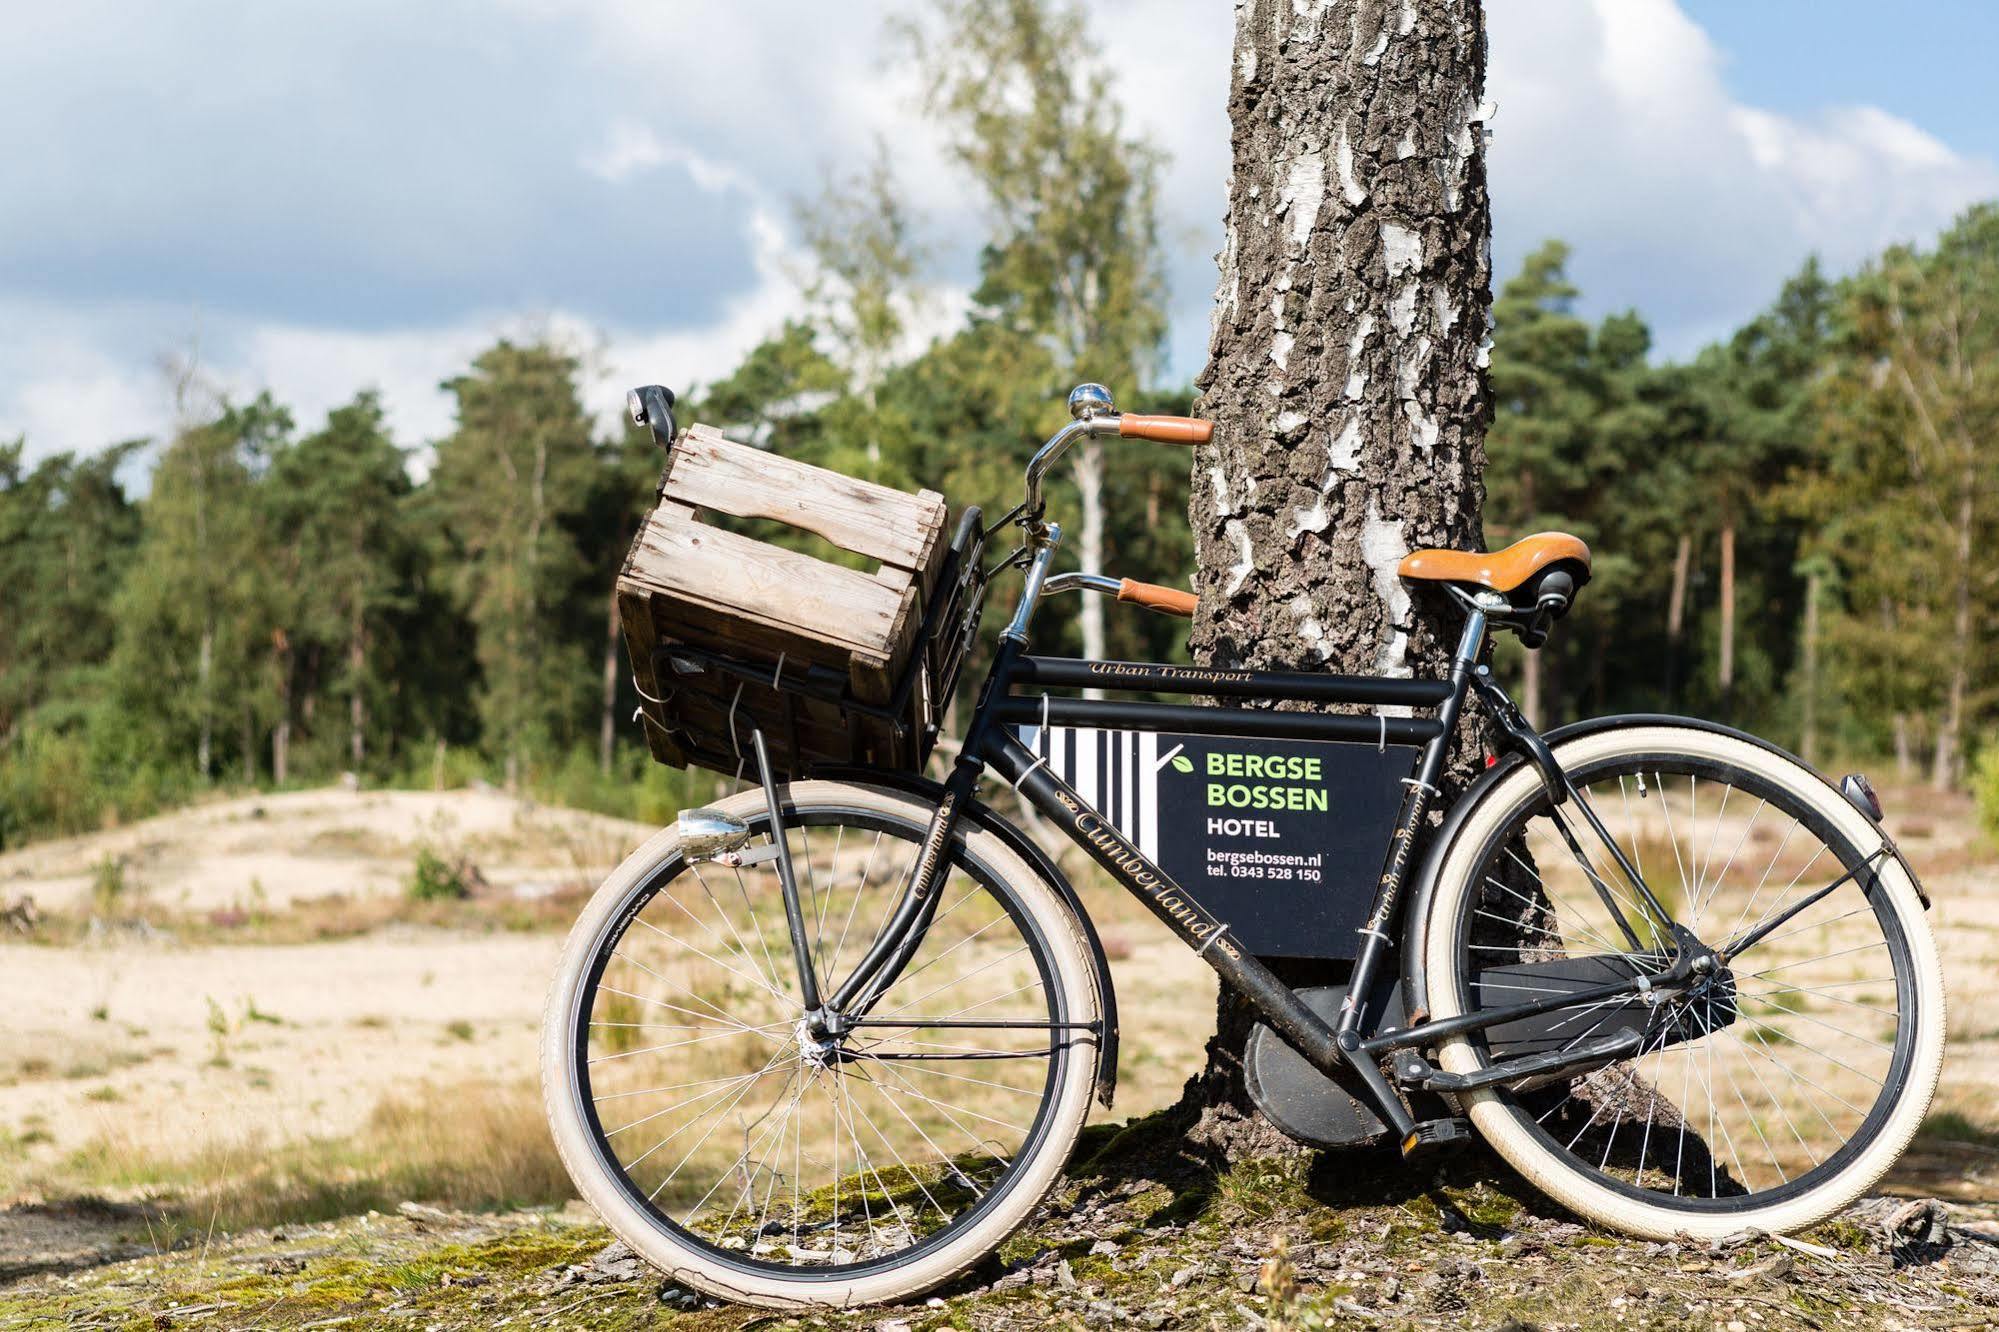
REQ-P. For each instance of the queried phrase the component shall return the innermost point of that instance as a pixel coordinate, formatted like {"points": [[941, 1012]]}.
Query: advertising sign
{"points": [[1282, 839]]}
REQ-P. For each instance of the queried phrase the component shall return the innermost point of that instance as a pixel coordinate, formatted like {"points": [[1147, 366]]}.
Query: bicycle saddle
{"points": [[1499, 570]]}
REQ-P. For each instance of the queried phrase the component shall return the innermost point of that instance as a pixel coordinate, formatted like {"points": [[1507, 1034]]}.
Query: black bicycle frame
{"points": [[1329, 1047]]}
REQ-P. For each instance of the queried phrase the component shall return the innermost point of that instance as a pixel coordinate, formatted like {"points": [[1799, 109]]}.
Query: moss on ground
{"points": [[1144, 1233]]}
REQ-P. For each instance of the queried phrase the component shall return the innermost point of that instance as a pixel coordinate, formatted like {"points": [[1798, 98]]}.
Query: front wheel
{"points": [[1768, 1089], [728, 1138]]}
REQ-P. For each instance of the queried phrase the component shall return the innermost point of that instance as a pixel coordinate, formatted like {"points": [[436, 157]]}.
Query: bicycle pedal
{"points": [[1433, 1134]]}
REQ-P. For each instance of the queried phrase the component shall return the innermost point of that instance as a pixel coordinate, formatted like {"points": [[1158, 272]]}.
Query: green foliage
{"points": [[504, 486], [436, 879], [109, 887], [284, 607], [1985, 789]]}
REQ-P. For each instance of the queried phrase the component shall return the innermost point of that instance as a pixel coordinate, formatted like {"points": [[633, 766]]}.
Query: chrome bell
{"points": [[1088, 400], [707, 833]]}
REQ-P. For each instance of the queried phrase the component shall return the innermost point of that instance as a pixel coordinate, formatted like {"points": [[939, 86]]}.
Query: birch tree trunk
{"points": [[1676, 611], [1808, 747], [1346, 373], [607, 722], [1948, 768], [1089, 470], [1725, 671]]}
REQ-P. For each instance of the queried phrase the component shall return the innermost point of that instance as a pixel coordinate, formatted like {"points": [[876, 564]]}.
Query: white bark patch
{"points": [[1406, 22], [1375, 52], [1405, 147], [1446, 313], [1356, 387], [1458, 151], [1245, 61], [1303, 193], [1402, 309], [1289, 423], [1401, 249], [1315, 519], [1308, 16], [1281, 340], [1350, 187], [1310, 632], [1409, 368], [1228, 288], [1422, 427], [1219, 481], [1239, 572], [1382, 547], [1345, 450]]}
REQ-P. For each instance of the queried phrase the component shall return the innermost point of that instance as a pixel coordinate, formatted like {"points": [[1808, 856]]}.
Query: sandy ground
{"points": [[118, 1038], [278, 848], [313, 1034]]}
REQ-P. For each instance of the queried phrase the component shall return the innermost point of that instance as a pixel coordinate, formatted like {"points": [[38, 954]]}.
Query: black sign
{"points": [[1281, 839]]}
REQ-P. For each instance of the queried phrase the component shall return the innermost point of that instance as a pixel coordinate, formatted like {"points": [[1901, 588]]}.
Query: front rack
{"points": [[911, 718]]}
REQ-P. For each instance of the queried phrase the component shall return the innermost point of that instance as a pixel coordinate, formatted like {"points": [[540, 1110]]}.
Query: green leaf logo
{"points": [[1181, 763]]}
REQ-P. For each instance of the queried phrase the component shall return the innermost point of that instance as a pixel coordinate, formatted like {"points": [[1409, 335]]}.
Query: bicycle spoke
{"points": [[756, 1129], [1770, 1104]]}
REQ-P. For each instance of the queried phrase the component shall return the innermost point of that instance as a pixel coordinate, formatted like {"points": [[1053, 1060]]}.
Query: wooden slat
{"points": [[711, 472], [765, 584], [688, 582]]}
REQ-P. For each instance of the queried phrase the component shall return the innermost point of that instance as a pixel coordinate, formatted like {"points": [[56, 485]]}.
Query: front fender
{"points": [[986, 817], [1416, 916]]}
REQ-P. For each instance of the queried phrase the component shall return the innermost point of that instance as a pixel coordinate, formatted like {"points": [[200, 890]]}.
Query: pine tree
{"points": [[336, 500], [506, 482], [197, 611]]}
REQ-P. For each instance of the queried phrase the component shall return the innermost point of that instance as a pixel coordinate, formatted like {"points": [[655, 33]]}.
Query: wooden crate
{"points": [[849, 632]]}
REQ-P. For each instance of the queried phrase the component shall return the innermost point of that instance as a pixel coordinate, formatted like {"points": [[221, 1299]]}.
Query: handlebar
{"points": [[1097, 417], [1166, 429], [1152, 596]]}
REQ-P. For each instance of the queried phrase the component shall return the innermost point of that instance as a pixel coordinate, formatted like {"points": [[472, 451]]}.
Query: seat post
{"points": [[1471, 643]]}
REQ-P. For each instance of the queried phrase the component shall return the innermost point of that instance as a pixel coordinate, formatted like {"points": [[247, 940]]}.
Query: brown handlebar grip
{"points": [[1165, 600], [1166, 429]]}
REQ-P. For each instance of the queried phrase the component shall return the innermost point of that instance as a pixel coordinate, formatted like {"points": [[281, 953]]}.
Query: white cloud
{"points": [[622, 172], [1616, 132], [629, 149]]}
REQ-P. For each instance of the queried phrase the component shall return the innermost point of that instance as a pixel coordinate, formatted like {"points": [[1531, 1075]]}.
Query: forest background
{"points": [[1793, 526]]}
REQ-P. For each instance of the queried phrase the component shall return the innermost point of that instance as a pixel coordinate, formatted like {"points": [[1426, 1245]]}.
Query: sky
{"points": [[315, 199]]}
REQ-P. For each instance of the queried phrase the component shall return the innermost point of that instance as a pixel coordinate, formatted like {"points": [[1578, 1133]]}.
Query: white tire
{"points": [[1556, 1173], [1035, 1172]]}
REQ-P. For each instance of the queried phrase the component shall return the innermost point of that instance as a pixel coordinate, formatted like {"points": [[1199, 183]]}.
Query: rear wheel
{"points": [[1768, 1091], [756, 1158]]}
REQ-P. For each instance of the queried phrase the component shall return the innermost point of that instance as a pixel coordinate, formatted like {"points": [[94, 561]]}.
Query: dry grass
{"points": [[467, 1145], [319, 919]]}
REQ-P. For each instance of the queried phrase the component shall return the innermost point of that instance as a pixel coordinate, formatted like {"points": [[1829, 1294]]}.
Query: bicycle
{"points": [[830, 1042]]}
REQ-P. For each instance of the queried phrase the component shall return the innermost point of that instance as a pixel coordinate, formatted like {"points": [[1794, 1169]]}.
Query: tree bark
{"points": [[1346, 373], [281, 734], [1948, 770], [1676, 613], [1725, 672], [357, 702], [1089, 470], [1808, 746], [204, 670], [607, 728]]}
